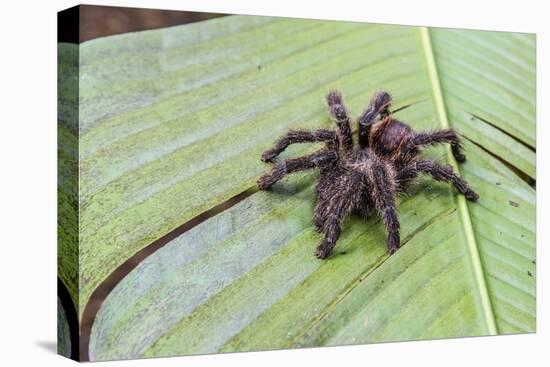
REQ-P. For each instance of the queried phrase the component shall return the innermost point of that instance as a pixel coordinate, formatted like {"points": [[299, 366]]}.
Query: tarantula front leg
{"points": [[438, 137], [340, 115], [378, 105], [439, 173], [298, 136], [384, 200], [281, 169]]}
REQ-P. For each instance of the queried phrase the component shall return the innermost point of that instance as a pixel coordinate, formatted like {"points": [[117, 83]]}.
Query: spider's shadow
{"points": [[304, 181], [429, 188], [425, 187]]}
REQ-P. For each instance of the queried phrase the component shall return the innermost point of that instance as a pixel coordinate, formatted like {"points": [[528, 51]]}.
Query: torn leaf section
{"points": [[490, 75], [498, 143], [504, 222], [488, 83]]}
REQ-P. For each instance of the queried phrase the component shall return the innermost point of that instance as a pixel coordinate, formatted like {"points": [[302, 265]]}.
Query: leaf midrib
{"points": [[473, 248]]}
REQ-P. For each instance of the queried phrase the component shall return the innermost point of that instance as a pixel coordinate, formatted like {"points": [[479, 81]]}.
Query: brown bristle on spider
{"points": [[366, 177]]}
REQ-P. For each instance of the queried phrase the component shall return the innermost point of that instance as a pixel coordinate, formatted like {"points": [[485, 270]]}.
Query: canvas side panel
{"points": [[67, 182]]}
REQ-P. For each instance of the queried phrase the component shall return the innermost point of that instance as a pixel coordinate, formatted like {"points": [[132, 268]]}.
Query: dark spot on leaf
{"points": [[497, 183], [534, 261], [522, 236], [513, 203], [259, 67], [529, 273], [342, 252]]}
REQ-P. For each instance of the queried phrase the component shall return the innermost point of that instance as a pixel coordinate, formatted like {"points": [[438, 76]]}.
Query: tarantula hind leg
{"points": [[332, 228], [319, 216], [331, 222], [289, 166]]}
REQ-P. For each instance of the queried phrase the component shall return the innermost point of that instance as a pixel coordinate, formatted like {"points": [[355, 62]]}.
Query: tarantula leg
{"points": [[384, 199], [438, 137], [298, 136], [319, 215], [327, 244], [446, 174], [332, 227], [378, 105], [340, 206], [407, 173], [340, 115], [289, 166]]}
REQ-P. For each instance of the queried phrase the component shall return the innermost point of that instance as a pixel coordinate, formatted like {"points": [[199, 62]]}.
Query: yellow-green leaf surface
{"points": [[172, 123], [63, 332]]}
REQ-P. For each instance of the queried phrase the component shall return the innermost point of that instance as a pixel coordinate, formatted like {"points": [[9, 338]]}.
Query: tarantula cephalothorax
{"points": [[364, 178]]}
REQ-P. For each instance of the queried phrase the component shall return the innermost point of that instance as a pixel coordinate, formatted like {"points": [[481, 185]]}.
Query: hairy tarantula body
{"points": [[367, 177]]}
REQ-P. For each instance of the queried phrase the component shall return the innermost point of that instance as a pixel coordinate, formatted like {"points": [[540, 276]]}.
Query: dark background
{"points": [[85, 22]]}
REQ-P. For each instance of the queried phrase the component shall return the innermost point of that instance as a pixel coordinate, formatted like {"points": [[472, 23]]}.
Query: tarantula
{"points": [[366, 178]]}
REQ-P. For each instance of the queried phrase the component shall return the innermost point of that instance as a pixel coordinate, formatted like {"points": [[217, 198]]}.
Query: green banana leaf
{"points": [[172, 123], [63, 332]]}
